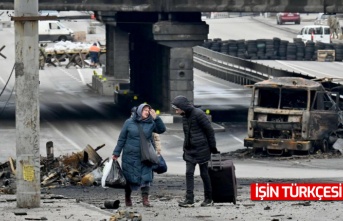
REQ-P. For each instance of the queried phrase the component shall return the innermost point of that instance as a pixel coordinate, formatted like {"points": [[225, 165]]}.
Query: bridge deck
{"points": [[303, 6]]}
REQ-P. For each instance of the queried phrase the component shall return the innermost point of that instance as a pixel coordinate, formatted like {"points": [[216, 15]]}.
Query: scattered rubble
{"points": [[122, 215], [81, 168]]}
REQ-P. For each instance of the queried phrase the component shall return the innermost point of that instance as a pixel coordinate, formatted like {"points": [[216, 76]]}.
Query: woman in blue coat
{"points": [[137, 174]]}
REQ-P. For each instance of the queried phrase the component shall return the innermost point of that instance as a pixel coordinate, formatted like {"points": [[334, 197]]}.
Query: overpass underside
{"points": [[154, 51], [302, 6]]}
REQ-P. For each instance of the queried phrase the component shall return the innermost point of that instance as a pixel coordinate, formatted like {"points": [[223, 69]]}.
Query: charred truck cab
{"points": [[290, 114]]}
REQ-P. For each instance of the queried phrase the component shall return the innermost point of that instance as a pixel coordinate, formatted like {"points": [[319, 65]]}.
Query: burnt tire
{"points": [[325, 146]]}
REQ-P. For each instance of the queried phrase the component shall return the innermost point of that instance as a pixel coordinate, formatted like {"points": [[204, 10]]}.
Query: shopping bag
{"points": [[161, 167], [148, 153], [113, 176]]}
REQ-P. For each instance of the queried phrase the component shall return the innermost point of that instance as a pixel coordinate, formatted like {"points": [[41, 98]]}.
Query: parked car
{"points": [[54, 31], [315, 33], [283, 17]]}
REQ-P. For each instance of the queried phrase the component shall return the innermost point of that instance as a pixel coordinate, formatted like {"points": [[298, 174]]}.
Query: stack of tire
{"points": [[207, 43], [276, 43], [283, 50], [241, 52], [216, 44], [291, 51], [269, 49], [232, 48], [338, 52], [224, 48], [251, 49], [261, 49], [300, 49], [309, 50], [273, 49]]}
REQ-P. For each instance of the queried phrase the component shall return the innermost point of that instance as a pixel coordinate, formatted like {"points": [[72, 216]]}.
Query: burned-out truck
{"points": [[290, 114]]}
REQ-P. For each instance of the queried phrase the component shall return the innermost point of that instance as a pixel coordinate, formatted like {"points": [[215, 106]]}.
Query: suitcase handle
{"points": [[220, 162]]}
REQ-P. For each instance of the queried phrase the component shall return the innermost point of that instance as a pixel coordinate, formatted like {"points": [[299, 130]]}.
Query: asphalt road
{"points": [[72, 115]]}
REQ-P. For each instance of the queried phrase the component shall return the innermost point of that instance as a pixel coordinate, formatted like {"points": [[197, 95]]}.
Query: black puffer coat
{"points": [[199, 135]]}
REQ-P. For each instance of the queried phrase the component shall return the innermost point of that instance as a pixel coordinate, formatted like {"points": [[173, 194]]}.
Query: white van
{"points": [[315, 33], [54, 31]]}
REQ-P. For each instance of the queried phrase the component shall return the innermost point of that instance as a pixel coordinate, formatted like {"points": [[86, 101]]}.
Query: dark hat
{"points": [[94, 44], [180, 102]]}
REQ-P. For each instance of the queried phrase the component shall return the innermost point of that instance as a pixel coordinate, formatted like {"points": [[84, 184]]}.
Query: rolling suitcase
{"points": [[223, 179]]}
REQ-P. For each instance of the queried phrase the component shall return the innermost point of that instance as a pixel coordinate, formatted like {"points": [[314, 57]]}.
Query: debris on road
{"points": [[81, 168]]}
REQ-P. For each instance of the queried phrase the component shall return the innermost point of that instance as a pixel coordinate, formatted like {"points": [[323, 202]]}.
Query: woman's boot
{"points": [[145, 196], [128, 201], [146, 202], [128, 191]]}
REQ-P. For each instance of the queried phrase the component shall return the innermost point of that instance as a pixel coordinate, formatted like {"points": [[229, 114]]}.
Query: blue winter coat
{"points": [[129, 142]]}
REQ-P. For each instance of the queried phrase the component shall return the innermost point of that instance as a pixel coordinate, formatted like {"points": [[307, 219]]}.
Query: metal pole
{"points": [[49, 155], [27, 104]]}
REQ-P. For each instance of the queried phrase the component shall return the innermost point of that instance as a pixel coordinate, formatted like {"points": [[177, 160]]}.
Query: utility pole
{"points": [[27, 103]]}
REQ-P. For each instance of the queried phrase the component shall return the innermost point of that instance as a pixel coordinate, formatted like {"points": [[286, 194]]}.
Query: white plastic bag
{"points": [[105, 172], [113, 175]]}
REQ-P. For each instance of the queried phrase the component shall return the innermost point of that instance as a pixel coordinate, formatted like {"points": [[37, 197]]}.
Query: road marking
{"points": [[236, 138], [293, 66], [62, 135], [81, 76], [70, 75]]}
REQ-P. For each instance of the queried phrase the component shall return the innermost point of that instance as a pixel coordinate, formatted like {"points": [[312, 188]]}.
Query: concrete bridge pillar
{"points": [[180, 79], [159, 73], [117, 53], [117, 61]]}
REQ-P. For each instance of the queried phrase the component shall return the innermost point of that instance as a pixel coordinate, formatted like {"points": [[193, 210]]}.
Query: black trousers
{"points": [[190, 168]]}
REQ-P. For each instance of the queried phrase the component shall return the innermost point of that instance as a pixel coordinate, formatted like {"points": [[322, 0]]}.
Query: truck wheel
{"points": [[312, 149], [62, 38]]}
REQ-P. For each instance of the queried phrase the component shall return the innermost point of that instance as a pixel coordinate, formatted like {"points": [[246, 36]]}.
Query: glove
{"points": [[214, 150], [115, 157]]}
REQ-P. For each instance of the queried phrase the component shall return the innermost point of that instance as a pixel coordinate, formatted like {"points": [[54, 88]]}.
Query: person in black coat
{"points": [[198, 145]]}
